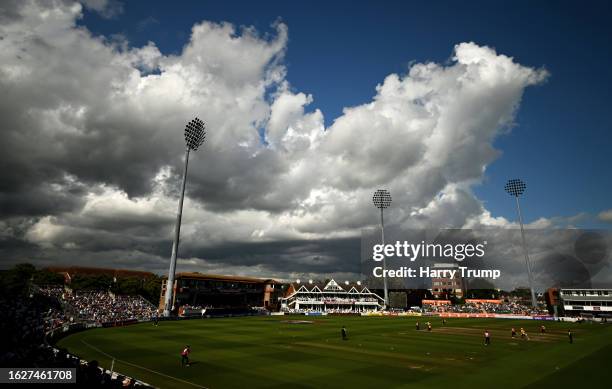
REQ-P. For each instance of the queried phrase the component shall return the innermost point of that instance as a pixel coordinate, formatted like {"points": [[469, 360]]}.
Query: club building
{"points": [[445, 287], [597, 302], [330, 297], [225, 292]]}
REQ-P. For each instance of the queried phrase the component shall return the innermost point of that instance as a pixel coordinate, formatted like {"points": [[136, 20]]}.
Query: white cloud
{"points": [[605, 216], [110, 117], [106, 8], [44, 232]]}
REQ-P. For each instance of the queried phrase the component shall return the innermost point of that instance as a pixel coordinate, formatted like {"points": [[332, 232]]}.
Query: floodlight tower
{"points": [[194, 137], [516, 187], [382, 200]]}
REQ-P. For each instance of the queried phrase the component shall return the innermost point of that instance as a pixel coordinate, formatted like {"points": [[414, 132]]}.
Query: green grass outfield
{"points": [[381, 352]]}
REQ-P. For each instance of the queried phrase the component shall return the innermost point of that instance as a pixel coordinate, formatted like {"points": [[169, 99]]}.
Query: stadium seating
{"points": [[30, 317], [98, 307], [503, 308]]}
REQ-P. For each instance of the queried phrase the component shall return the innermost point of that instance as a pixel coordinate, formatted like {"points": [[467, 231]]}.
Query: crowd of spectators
{"points": [[97, 307], [90, 374], [196, 307], [104, 307], [512, 308], [26, 318], [23, 322]]}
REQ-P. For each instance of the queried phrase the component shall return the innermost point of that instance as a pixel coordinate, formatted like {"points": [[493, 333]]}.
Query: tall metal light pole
{"points": [[382, 200], [194, 137], [516, 187]]}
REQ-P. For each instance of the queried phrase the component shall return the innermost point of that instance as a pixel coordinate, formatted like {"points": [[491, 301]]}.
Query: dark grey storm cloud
{"points": [[328, 256]]}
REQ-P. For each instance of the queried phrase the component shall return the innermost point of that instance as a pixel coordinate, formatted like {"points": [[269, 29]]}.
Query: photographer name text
{"points": [[428, 272], [413, 251]]}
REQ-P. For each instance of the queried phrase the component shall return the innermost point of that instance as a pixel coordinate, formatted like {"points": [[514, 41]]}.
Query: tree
{"points": [[152, 289], [91, 282], [16, 281], [480, 288], [46, 277]]}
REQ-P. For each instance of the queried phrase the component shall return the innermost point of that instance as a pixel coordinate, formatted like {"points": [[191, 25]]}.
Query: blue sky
{"points": [[339, 52], [326, 85]]}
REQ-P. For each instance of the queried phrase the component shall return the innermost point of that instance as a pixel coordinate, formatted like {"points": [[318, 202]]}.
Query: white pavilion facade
{"points": [[331, 297]]}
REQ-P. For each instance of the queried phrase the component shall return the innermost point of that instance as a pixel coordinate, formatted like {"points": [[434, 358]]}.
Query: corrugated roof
{"points": [[72, 270], [218, 277]]}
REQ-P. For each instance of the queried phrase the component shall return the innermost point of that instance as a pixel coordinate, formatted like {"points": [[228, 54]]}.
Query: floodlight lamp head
{"points": [[515, 187], [382, 199], [195, 134]]}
